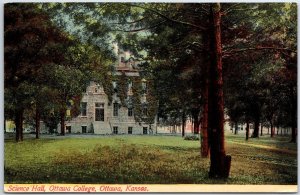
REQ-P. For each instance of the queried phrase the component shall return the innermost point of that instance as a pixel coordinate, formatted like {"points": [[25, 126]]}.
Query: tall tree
{"points": [[31, 41]]}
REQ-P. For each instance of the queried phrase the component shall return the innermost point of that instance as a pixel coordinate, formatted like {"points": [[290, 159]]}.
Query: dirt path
{"points": [[266, 147]]}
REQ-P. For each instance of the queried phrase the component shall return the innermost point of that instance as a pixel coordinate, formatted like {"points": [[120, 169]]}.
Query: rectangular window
{"points": [[116, 109], [130, 112], [83, 128], [145, 130], [115, 130], [83, 106], [129, 130], [99, 112], [68, 128]]}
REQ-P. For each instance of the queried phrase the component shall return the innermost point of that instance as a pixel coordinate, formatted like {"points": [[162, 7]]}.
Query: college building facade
{"points": [[98, 115]]}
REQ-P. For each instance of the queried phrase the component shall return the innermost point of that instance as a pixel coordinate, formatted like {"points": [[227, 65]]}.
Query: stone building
{"points": [[100, 116]]}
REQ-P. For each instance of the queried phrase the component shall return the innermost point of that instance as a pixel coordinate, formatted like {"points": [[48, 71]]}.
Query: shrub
{"points": [[191, 137]]}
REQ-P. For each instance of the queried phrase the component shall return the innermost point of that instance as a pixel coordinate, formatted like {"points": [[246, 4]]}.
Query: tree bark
{"points": [[183, 124], [37, 123], [247, 130], [261, 129], [235, 128], [294, 127], [19, 125], [62, 121], [272, 129], [219, 162], [294, 114], [4, 124], [192, 127], [196, 126], [256, 127], [204, 133]]}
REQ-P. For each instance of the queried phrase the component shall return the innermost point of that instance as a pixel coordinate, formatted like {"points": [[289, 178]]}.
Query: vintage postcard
{"points": [[140, 97]]}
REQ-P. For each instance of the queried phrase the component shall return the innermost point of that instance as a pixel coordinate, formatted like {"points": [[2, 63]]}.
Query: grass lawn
{"points": [[146, 159]]}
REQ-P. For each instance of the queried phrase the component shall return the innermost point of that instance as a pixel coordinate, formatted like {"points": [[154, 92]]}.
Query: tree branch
{"points": [[168, 18], [127, 22], [233, 51], [246, 9], [229, 8], [142, 29]]}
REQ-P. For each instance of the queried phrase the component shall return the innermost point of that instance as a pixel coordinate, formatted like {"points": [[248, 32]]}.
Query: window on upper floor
{"points": [[130, 112], [99, 111], [83, 108], [116, 109]]}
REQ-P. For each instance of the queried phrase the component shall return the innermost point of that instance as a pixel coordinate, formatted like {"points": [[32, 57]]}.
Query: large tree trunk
{"points": [[196, 126], [204, 124], [4, 124], [261, 129], [235, 128], [219, 162], [19, 125], [62, 121], [293, 103], [247, 130], [192, 127], [37, 123], [255, 133], [272, 129], [183, 124], [294, 126]]}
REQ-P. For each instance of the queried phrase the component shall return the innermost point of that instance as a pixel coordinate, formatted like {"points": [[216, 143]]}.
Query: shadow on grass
{"points": [[152, 164]]}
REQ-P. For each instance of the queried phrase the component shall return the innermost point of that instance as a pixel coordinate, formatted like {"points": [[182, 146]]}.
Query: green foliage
{"points": [[122, 88], [191, 137], [108, 87], [31, 42], [253, 92], [152, 102], [136, 98]]}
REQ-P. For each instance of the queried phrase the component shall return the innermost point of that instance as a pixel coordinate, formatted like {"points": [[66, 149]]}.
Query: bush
{"points": [[191, 137]]}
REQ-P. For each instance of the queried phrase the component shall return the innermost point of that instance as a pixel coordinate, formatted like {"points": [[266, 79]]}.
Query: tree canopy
{"points": [[201, 60]]}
